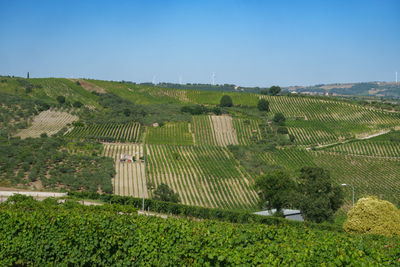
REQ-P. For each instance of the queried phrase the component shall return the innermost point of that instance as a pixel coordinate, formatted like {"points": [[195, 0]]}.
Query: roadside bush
{"points": [[373, 216]]}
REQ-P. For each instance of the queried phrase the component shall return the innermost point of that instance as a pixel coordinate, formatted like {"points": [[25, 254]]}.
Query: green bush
{"points": [[373, 216], [226, 101]]}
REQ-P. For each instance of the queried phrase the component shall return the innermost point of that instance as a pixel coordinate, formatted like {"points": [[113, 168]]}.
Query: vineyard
{"points": [[173, 133], [112, 235], [49, 122], [369, 175], [129, 177], [247, 130], [369, 148], [107, 132], [202, 176], [317, 121]]}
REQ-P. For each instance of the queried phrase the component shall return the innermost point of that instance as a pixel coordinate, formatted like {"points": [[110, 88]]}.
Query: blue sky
{"points": [[249, 43]]}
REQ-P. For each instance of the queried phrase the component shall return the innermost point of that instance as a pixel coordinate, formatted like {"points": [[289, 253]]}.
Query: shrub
{"points": [[279, 119], [77, 104], [282, 130], [263, 105], [226, 101], [61, 99], [373, 216]]}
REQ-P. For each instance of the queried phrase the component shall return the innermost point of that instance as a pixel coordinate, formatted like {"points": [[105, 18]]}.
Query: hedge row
{"points": [[200, 212]]}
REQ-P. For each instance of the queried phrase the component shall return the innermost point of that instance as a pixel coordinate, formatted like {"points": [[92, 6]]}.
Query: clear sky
{"points": [[249, 43]]}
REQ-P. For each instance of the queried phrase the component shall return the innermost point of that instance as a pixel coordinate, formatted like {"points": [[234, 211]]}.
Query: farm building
{"points": [[126, 158], [294, 215]]}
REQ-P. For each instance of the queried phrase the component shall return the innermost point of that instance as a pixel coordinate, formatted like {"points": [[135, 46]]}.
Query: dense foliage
{"points": [[275, 190], [318, 197], [44, 160], [164, 193], [71, 234]]}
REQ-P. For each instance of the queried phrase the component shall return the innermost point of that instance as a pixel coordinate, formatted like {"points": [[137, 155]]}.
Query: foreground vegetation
{"points": [[70, 234]]}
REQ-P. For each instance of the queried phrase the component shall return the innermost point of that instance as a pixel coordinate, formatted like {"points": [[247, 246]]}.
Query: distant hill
{"points": [[375, 89]]}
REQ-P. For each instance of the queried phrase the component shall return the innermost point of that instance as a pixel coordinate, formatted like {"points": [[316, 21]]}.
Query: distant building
{"points": [[294, 215], [126, 158]]}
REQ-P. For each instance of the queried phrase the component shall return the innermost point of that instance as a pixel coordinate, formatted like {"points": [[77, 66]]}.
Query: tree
{"points": [[263, 105], [61, 99], [77, 104], [318, 199], [275, 190], [226, 101], [279, 119], [164, 193], [274, 90], [127, 112]]}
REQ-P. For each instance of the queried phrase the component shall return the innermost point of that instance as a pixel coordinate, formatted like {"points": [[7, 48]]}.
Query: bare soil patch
{"points": [[90, 86]]}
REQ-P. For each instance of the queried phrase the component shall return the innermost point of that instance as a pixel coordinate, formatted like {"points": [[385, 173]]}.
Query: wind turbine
{"points": [[213, 78]]}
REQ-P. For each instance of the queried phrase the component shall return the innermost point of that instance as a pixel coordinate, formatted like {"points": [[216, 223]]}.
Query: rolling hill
{"points": [[210, 158]]}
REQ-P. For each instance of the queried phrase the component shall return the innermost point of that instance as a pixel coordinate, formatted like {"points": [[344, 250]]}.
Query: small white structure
{"points": [[126, 158], [294, 215]]}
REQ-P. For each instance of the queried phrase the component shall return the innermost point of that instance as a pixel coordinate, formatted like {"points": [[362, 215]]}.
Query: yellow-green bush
{"points": [[373, 216]]}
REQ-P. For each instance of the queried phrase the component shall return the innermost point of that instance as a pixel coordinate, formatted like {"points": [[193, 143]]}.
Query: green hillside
{"points": [[210, 157]]}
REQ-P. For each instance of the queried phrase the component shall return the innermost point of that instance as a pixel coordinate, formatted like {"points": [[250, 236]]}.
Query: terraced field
{"points": [[130, 176], [49, 122], [103, 132], [202, 176]]}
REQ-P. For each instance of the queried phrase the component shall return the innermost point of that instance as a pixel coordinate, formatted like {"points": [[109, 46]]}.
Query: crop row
{"points": [[107, 132], [369, 148], [202, 176], [338, 117], [247, 130], [129, 177]]}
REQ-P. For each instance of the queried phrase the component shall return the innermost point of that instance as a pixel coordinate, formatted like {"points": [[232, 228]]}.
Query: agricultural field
{"points": [[317, 121], [369, 148], [369, 175], [224, 131], [203, 130], [107, 132], [130, 176], [247, 130], [49, 122], [172, 133], [202, 176]]}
